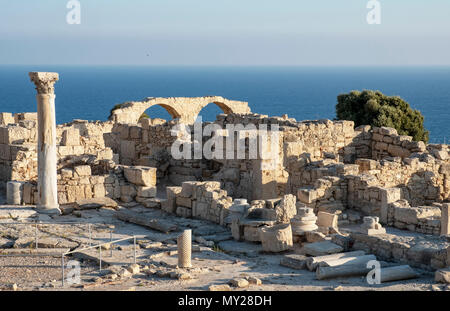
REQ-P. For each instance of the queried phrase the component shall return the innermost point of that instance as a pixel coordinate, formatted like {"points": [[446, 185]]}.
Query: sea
{"points": [[304, 93]]}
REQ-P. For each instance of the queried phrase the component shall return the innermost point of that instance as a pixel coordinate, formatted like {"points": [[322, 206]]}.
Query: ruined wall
{"points": [[423, 219], [85, 163]]}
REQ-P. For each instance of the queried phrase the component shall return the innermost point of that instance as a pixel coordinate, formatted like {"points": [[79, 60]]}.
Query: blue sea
{"points": [[301, 92]]}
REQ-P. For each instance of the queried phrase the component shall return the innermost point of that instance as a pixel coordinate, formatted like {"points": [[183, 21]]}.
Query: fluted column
{"points": [[47, 175]]}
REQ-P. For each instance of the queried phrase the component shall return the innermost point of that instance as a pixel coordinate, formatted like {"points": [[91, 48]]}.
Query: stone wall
{"points": [[201, 200], [423, 219], [387, 143]]}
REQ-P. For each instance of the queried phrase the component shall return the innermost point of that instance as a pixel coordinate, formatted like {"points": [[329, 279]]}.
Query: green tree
{"points": [[376, 109]]}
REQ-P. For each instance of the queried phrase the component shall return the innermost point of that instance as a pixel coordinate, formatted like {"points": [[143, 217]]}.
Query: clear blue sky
{"points": [[225, 32]]}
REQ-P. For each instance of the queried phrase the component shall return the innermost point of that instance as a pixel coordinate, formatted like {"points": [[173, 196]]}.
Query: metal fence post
{"points": [[134, 247], [90, 234], [110, 242], [36, 235], [100, 248], [62, 269]]}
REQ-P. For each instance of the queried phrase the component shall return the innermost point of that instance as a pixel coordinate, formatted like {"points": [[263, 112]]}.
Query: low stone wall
{"points": [[407, 250], [423, 219], [387, 143], [201, 200]]}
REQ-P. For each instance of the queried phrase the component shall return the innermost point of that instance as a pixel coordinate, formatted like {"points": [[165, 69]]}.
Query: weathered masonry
{"points": [[328, 175]]}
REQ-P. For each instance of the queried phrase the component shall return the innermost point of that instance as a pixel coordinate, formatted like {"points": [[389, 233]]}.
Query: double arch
{"points": [[185, 109]]}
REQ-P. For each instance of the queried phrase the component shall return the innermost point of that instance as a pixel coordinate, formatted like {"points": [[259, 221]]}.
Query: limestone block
{"points": [[445, 219], [14, 191], [153, 202], [306, 195], [405, 214], [388, 196], [75, 193], [442, 276], [286, 209], [82, 170], [397, 151], [99, 191], [141, 175], [66, 173], [16, 135], [327, 220], [22, 116], [314, 236], [321, 248], [6, 118], [388, 131], [71, 137], [277, 238], [170, 205], [441, 154], [128, 191], [146, 192], [188, 188], [294, 261], [135, 132], [251, 234], [240, 283], [184, 202], [27, 196], [127, 149]]}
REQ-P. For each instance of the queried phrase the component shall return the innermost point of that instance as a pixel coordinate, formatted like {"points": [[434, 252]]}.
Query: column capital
{"points": [[44, 81]]}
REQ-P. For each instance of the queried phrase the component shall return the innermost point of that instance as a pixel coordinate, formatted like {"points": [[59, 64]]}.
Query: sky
{"points": [[225, 33]]}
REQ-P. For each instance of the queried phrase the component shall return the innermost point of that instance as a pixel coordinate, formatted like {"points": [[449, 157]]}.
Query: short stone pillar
{"points": [[14, 190], [445, 219], [47, 160], [304, 221], [184, 243], [277, 238], [371, 226]]}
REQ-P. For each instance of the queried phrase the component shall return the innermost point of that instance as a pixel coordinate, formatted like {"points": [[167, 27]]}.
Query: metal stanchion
{"points": [[36, 244], [110, 243], [134, 242], [62, 269], [100, 248], [90, 235]]}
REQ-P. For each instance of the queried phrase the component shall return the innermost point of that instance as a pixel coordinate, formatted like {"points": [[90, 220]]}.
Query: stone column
{"points": [[184, 242], [47, 183]]}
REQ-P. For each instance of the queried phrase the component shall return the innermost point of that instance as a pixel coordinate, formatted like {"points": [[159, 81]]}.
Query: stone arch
{"points": [[186, 109], [171, 110]]}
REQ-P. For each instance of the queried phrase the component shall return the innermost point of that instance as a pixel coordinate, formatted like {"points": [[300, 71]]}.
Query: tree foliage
{"points": [[376, 109]]}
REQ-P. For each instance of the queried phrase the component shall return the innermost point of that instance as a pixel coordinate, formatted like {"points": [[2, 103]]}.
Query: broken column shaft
{"points": [[185, 249], [47, 160]]}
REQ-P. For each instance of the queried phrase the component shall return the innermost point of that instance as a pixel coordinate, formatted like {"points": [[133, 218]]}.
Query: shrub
{"points": [[376, 109]]}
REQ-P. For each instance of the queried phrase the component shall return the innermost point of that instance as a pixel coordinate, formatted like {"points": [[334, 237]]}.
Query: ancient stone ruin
{"points": [[335, 198]]}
